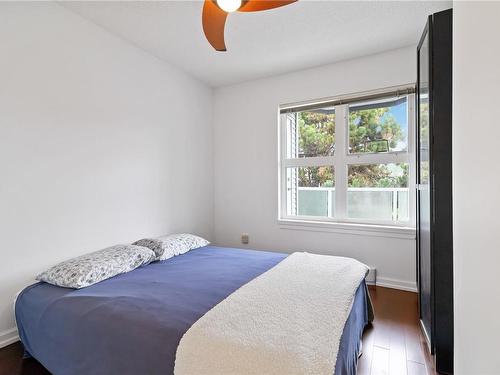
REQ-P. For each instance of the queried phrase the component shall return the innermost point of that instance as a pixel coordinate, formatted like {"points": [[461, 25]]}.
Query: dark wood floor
{"points": [[393, 345], [12, 362]]}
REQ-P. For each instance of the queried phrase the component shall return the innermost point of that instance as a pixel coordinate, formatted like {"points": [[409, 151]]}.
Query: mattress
{"points": [[132, 323]]}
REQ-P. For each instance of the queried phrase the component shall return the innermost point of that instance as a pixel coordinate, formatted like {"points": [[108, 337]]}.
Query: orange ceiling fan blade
{"points": [[214, 20], [258, 5]]}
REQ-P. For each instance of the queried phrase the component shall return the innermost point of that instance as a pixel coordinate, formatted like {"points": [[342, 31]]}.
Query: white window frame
{"points": [[341, 161]]}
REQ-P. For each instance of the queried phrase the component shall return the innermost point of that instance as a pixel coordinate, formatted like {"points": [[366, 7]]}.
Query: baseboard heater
{"points": [[371, 278]]}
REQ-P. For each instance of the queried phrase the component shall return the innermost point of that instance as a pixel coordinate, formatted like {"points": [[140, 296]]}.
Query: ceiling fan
{"points": [[215, 13]]}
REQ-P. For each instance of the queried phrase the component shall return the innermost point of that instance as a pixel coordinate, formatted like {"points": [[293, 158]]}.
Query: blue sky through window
{"points": [[400, 114]]}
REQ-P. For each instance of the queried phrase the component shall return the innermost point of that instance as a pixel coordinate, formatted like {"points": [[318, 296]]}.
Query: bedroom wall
{"points": [[100, 143], [246, 167], [476, 182]]}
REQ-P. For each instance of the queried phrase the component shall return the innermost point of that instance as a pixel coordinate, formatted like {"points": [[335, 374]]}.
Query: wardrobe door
{"points": [[423, 186], [434, 187], [441, 192]]}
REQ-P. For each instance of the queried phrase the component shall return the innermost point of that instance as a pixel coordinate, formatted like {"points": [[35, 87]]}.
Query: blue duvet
{"points": [[132, 323]]}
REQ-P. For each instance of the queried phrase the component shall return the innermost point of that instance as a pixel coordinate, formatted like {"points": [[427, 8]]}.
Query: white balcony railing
{"points": [[362, 203]]}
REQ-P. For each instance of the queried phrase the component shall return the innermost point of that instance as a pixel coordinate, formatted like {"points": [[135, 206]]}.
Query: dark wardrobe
{"points": [[434, 188]]}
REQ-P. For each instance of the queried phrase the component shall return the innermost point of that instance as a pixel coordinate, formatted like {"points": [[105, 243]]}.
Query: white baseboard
{"points": [[387, 282], [8, 337]]}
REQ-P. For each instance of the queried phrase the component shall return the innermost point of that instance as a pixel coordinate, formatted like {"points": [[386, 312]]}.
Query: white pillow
{"points": [[166, 247], [100, 265]]}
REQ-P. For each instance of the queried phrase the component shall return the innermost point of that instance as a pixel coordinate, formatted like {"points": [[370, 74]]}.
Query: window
{"points": [[349, 161]]}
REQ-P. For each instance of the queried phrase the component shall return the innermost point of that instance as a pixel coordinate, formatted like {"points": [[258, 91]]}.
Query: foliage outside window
{"points": [[348, 162]]}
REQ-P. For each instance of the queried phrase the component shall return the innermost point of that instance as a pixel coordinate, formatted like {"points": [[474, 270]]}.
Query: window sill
{"points": [[349, 228]]}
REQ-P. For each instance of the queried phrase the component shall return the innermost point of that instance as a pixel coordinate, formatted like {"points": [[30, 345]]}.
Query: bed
{"points": [[132, 323]]}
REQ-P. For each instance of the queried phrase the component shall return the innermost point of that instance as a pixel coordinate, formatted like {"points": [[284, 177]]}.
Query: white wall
{"points": [[476, 184], [100, 143], [245, 162]]}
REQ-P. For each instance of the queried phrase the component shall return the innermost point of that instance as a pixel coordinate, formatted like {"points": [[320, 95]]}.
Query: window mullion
{"points": [[341, 123], [282, 192], [309, 162], [412, 158], [378, 158]]}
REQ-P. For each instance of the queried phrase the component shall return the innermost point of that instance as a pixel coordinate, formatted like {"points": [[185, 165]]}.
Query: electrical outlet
{"points": [[244, 238]]}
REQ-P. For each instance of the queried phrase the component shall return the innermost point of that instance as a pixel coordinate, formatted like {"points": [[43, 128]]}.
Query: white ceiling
{"points": [[301, 35]]}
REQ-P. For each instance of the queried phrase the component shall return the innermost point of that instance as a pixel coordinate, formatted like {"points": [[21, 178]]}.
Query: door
{"points": [[423, 186]]}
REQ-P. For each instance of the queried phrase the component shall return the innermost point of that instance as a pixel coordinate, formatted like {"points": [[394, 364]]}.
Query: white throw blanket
{"points": [[289, 320]]}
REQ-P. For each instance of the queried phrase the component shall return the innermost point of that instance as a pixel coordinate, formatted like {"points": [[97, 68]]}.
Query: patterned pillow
{"points": [[158, 246], [175, 244], [178, 244], [100, 265]]}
